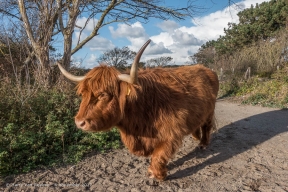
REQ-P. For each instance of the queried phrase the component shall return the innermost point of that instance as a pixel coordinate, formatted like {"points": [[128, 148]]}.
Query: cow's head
{"points": [[102, 90]]}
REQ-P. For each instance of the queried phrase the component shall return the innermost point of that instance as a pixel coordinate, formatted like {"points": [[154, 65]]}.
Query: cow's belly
{"points": [[137, 145]]}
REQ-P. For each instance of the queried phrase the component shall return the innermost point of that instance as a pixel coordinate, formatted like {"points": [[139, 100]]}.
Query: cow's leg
{"points": [[159, 159], [196, 134], [206, 131]]}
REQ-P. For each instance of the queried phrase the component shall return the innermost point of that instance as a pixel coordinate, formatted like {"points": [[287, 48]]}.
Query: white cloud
{"points": [[179, 43], [184, 38], [157, 49], [135, 30], [136, 34], [168, 26], [163, 37], [152, 49], [91, 61], [92, 58], [90, 25], [96, 43], [100, 44]]}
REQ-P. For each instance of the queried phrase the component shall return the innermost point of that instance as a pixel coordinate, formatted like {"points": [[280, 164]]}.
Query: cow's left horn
{"points": [[69, 75], [132, 78]]}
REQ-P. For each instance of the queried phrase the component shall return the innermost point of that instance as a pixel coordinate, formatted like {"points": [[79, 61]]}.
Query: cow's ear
{"points": [[127, 89], [123, 89], [122, 96]]}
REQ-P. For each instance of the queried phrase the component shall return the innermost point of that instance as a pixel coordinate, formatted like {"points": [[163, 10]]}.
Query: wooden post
{"points": [[248, 73], [245, 74], [221, 73]]}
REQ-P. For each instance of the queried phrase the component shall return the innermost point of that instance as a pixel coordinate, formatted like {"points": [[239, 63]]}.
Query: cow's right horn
{"points": [[132, 78], [69, 75]]}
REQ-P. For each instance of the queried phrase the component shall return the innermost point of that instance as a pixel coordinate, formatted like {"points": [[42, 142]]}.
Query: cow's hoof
{"points": [[158, 177], [150, 174], [202, 146]]}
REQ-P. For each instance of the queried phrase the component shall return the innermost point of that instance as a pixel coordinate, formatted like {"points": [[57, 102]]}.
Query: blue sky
{"points": [[177, 39]]}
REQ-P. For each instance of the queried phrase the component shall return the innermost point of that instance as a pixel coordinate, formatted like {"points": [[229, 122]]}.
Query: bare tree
{"points": [[13, 51], [42, 20], [159, 62], [41, 34], [117, 57], [205, 56]]}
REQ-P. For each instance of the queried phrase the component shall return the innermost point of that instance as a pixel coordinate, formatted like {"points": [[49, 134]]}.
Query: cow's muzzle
{"points": [[81, 124]]}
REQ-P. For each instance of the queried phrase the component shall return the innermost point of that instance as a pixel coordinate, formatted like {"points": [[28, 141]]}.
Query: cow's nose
{"points": [[80, 124]]}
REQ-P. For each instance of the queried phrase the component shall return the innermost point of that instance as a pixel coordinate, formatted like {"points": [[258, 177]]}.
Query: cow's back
{"points": [[184, 94], [190, 82], [199, 78]]}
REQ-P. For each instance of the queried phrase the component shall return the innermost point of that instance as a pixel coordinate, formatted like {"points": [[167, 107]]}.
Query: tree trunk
{"points": [[66, 59]]}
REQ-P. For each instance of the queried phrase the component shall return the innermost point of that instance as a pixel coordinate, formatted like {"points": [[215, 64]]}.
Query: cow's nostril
{"points": [[82, 124]]}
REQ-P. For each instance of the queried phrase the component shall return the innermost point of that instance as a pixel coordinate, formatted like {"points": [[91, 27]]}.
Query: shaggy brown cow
{"points": [[153, 109]]}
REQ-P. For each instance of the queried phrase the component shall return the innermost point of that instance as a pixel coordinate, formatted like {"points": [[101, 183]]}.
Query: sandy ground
{"points": [[249, 152]]}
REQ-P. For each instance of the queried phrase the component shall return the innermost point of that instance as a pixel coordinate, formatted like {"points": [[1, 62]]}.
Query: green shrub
{"points": [[285, 79], [41, 131], [266, 74], [269, 93], [229, 88], [258, 98], [285, 101]]}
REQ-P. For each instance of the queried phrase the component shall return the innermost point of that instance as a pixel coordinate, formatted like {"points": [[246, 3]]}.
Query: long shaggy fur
{"points": [[154, 116]]}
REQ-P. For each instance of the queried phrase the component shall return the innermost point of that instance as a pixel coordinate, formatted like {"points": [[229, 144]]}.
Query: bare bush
{"points": [[262, 57]]}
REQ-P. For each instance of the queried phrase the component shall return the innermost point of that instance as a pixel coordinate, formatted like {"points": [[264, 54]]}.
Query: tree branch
{"points": [[97, 27], [59, 9], [10, 14], [27, 25]]}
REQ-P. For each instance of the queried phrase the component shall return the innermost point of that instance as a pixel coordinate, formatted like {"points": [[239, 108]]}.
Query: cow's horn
{"points": [[132, 78], [69, 75]]}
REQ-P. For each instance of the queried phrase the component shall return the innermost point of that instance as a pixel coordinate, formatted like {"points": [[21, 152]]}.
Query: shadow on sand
{"points": [[234, 139]]}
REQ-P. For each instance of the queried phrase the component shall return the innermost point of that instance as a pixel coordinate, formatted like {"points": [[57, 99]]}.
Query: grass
{"points": [[271, 92]]}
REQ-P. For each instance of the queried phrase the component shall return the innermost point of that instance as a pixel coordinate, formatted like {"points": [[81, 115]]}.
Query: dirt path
{"points": [[249, 152]]}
